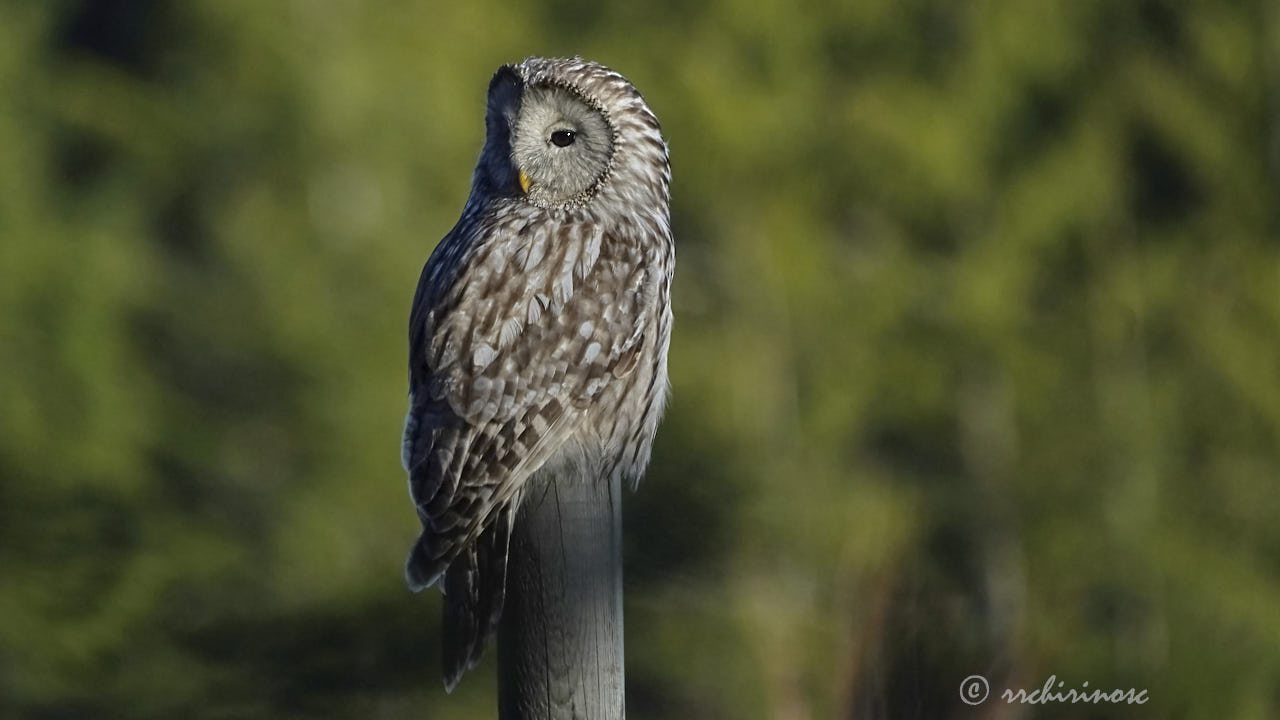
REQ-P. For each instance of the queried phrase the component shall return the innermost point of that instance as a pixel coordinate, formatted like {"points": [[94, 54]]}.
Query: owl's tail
{"points": [[474, 590]]}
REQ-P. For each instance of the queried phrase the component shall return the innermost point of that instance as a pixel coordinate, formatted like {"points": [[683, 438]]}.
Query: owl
{"points": [[538, 334]]}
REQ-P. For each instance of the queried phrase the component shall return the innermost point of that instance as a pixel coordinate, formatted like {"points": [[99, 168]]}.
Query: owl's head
{"points": [[562, 132]]}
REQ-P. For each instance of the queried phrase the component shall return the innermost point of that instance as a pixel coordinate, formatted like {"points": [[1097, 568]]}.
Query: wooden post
{"points": [[560, 638]]}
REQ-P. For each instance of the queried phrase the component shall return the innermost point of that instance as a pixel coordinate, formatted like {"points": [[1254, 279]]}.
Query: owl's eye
{"points": [[563, 138]]}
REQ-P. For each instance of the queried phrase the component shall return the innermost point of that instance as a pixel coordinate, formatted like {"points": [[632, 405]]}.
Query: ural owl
{"points": [[539, 330]]}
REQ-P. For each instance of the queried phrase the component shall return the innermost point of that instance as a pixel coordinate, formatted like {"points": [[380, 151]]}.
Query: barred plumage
{"points": [[540, 326]]}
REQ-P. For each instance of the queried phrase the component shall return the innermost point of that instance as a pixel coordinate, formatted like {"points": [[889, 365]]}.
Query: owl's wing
{"points": [[512, 337]]}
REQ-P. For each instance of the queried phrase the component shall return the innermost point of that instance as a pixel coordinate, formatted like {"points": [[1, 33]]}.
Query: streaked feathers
{"points": [[527, 333]]}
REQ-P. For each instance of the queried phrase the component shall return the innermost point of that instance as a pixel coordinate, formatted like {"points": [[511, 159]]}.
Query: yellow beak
{"points": [[525, 182]]}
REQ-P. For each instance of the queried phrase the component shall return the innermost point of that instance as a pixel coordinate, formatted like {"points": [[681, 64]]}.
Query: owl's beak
{"points": [[525, 182]]}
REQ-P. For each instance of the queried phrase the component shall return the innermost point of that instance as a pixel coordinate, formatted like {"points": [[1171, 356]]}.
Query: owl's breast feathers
{"points": [[520, 323], [524, 326]]}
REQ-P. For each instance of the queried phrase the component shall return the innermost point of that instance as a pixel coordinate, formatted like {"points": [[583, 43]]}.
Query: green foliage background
{"points": [[976, 365]]}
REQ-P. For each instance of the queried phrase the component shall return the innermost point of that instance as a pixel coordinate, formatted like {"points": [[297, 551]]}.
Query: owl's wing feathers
{"points": [[514, 334], [511, 339], [474, 587]]}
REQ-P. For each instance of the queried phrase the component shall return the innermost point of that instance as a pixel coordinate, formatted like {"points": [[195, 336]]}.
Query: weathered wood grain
{"points": [[560, 643]]}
